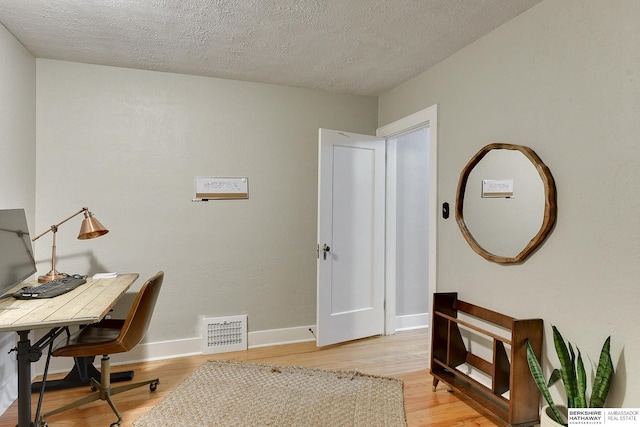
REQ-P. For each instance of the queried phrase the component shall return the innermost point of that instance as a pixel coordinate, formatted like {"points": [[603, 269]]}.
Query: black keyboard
{"points": [[50, 289]]}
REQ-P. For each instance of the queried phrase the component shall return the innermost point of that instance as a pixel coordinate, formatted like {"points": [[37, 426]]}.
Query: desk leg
{"points": [[25, 357]]}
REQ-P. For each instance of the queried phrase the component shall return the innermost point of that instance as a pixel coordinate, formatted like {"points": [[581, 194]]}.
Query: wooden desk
{"points": [[88, 303]]}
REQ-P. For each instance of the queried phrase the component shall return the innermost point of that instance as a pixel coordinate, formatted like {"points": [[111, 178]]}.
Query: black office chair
{"points": [[111, 336]]}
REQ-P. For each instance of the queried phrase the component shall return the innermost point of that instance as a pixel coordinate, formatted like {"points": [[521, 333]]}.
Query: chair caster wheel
{"points": [[154, 386], [116, 424]]}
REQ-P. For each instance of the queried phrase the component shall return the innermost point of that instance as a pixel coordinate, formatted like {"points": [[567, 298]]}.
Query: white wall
{"points": [[128, 144], [17, 162], [564, 79]]}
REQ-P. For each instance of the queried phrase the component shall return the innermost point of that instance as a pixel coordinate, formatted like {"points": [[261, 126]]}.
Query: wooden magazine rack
{"points": [[508, 370]]}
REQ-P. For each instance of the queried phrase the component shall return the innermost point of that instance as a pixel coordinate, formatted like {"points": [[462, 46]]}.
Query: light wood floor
{"points": [[403, 355]]}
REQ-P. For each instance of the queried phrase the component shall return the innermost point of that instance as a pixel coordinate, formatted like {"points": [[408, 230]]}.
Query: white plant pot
{"points": [[547, 419]]}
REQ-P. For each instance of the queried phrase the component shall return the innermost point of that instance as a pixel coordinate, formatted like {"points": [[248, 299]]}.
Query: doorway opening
{"points": [[409, 210], [378, 232], [421, 128]]}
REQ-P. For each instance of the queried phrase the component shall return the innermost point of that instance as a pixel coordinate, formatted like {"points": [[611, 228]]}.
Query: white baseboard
{"points": [[146, 352], [412, 321], [164, 350], [281, 336]]}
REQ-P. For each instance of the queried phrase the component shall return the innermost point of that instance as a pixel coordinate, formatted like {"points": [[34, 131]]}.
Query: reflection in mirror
{"points": [[506, 202], [518, 217]]}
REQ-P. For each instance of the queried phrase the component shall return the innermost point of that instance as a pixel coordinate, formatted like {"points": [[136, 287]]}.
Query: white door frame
{"points": [[424, 118]]}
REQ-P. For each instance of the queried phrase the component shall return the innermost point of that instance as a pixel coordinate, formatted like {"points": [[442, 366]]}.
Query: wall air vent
{"points": [[224, 334]]}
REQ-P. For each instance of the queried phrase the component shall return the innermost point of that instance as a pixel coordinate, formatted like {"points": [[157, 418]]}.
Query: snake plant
{"points": [[573, 376]]}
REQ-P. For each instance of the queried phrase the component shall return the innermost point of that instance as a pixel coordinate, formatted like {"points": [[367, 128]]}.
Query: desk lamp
{"points": [[90, 228]]}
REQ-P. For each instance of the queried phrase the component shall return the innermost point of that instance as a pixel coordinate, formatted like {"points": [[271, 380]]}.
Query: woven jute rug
{"points": [[223, 393]]}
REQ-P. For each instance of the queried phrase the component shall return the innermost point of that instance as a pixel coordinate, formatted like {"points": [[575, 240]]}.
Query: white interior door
{"points": [[351, 232]]}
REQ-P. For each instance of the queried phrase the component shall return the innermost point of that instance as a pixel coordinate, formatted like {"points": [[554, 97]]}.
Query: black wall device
{"points": [[445, 210]]}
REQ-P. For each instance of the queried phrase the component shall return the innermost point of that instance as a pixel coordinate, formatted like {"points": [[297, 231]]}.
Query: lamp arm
{"points": [[54, 228]]}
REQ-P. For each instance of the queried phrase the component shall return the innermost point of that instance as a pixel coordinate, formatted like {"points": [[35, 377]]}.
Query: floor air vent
{"points": [[224, 334]]}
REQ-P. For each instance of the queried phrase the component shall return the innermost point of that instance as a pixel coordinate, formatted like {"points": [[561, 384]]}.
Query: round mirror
{"points": [[506, 202]]}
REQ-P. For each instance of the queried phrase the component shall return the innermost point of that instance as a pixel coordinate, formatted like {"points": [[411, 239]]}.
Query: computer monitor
{"points": [[16, 252]]}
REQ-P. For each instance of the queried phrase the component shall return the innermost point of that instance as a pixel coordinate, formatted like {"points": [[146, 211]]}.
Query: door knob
{"points": [[325, 249]]}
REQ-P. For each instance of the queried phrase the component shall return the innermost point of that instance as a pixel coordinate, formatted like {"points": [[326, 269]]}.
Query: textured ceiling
{"points": [[352, 46]]}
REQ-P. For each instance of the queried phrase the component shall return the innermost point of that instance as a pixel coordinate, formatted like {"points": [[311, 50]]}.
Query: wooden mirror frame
{"points": [[550, 207]]}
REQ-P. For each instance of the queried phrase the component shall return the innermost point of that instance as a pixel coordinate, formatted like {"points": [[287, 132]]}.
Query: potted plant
{"points": [[573, 377]]}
